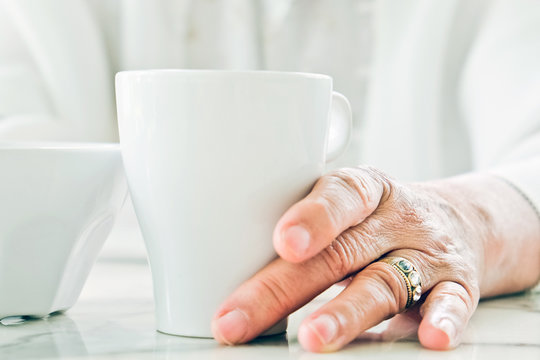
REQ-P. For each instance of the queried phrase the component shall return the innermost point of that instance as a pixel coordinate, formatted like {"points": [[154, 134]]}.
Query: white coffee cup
{"points": [[213, 159]]}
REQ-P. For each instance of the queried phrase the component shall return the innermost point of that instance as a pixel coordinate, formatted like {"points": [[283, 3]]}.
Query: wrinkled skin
{"points": [[469, 237]]}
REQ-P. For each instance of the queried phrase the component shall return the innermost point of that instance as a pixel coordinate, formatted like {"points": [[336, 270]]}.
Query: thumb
{"points": [[338, 201]]}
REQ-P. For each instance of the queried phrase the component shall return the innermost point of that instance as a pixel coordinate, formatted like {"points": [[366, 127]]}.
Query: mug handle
{"points": [[340, 130]]}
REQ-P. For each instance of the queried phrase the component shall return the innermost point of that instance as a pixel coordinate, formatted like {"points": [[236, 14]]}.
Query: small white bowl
{"points": [[58, 202]]}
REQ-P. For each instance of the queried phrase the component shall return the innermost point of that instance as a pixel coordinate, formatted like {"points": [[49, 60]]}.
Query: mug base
{"points": [[279, 328], [264, 335]]}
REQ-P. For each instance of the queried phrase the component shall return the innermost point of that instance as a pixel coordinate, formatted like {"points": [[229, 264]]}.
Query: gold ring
{"points": [[409, 274]]}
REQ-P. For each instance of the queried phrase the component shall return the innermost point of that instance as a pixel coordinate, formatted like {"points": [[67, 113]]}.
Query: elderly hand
{"points": [[467, 237]]}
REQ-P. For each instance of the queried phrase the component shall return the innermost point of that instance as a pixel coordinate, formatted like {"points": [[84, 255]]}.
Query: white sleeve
{"points": [[55, 76], [500, 95]]}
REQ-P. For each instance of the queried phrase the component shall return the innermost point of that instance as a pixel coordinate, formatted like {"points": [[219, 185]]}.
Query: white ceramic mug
{"points": [[213, 159]]}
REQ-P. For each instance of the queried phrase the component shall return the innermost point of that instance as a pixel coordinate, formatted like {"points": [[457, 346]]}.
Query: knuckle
{"points": [[453, 258], [273, 289], [354, 184], [448, 257], [441, 244], [467, 291], [339, 258], [364, 243], [362, 187], [464, 296], [403, 212], [387, 185], [352, 313], [351, 250]]}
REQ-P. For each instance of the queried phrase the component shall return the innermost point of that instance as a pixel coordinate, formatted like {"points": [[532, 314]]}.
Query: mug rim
{"points": [[59, 145], [224, 72]]}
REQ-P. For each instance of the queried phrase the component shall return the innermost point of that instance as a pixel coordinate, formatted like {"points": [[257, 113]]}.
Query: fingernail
{"points": [[325, 328], [297, 239], [232, 326], [449, 329]]}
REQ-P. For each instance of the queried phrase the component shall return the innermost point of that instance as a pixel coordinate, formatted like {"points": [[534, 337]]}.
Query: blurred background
{"points": [[432, 84], [58, 60]]}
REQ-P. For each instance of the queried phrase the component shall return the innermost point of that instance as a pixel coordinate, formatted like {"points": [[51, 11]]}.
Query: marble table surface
{"points": [[114, 319]]}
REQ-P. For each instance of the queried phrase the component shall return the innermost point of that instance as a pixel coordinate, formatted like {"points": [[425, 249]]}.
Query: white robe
{"points": [[437, 87]]}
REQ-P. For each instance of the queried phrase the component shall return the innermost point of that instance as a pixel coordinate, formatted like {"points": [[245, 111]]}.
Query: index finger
{"points": [[279, 289], [282, 287], [338, 201]]}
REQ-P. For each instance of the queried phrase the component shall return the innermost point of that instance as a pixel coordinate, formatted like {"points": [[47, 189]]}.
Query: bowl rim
{"points": [[59, 145]]}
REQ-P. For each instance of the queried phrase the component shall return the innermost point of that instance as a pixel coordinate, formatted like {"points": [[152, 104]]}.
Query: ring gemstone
{"points": [[417, 293], [414, 278], [405, 265]]}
